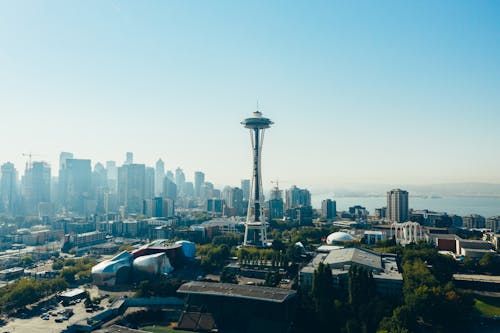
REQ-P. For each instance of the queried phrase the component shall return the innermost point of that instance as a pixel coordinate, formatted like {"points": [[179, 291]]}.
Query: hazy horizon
{"points": [[365, 93]]}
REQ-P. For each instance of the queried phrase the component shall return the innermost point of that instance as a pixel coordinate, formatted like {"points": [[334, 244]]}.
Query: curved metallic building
{"points": [[155, 258], [113, 271], [153, 264]]}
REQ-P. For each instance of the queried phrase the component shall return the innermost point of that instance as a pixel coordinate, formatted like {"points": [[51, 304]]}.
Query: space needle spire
{"points": [[255, 225]]}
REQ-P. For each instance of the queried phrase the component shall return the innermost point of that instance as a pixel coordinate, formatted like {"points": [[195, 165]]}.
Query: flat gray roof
{"points": [[359, 256], [121, 329], [73, 292], [267, 294], [476, 278]]}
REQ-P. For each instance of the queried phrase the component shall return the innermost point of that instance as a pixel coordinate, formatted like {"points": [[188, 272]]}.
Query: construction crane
{"points": [[29, 156], [276, 182]]}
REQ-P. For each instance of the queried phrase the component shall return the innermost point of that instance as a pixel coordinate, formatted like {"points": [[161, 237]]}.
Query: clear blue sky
{"points": [[389, 92]]}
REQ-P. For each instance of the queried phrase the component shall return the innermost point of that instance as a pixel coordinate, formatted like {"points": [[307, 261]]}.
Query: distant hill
{"points": [[446, 189], [457, 189]]}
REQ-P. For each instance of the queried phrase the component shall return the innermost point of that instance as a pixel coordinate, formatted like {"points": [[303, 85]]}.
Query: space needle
{"points": [[255, 225]]}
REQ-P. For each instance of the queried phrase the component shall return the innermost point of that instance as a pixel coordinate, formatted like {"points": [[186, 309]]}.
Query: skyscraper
{"points": [[245, 187], [129, 158], [159, 175], [131, 185], [275, 203], [189, 189], [8, 188], [62, 185], [112, 176], [99, 186], [78, 180], [199, 179], [36, 186], [169, 189], [397, 205], [149, 185], [328, 208], [297, 197], [63, 156], [255, 226], [180, 179]]}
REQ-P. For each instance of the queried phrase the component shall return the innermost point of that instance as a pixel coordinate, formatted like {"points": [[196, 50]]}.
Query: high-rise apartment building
{"points": [[493, 223], [158, 207], [235, 201], [397, 205], [474, 221], [8, 188], [297, 197], [328, 208], [276, 208], [275, 203]]}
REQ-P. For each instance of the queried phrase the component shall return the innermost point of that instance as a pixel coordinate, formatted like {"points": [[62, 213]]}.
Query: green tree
{"points": [[361, 285], [323, 294], [272, 279], [227, 276], [26, 261]]}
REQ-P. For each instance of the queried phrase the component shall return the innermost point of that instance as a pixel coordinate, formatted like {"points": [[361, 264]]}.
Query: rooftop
{"points": [[118, 328], [477, 278], [257, 121], [267, 294], [73, 293], [340, 257], [12, 270]]}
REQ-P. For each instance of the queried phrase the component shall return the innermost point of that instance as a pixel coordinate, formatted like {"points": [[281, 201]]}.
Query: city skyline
{"points": [[364, 94]]}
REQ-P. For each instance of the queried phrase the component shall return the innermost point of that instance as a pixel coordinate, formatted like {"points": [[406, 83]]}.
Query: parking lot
{"points": [[35, 324]]}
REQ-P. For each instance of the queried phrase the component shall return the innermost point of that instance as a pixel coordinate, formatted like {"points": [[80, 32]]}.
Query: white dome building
{"points": [[339, 237]]}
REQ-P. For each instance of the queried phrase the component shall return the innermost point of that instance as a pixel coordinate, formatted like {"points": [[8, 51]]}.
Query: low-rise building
{"points": [[237, 308], [473, 221], [86, 239], [373, 236], [461, 247], [384, 268], [72, 295], [493, 223], [11, 273]]}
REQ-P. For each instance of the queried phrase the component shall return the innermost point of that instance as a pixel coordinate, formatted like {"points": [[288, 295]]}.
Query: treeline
{"points": [[430, 299], [330, 310], [27, 291], [161, 287], [74, 269]]}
